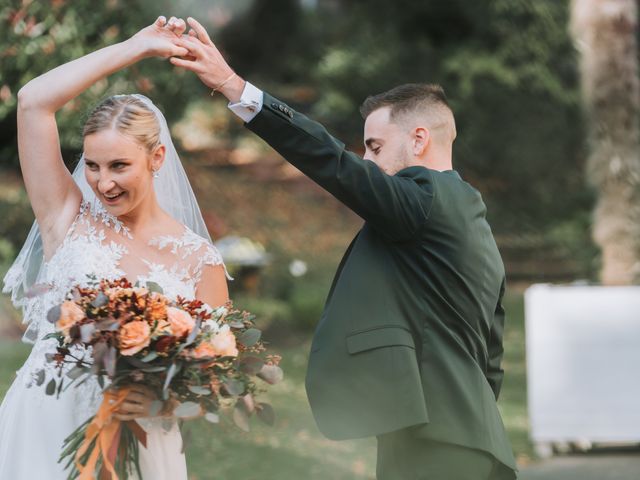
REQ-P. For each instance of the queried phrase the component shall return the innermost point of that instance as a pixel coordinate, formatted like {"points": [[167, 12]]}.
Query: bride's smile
{"points": [[119, 169]]}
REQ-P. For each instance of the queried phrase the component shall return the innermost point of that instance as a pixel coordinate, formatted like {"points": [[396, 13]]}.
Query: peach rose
{"points": [[181, 322], [134, 336], [224, 342], [204, 350], [70, 314]]}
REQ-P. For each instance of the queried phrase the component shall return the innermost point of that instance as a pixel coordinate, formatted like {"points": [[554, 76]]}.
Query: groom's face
{"points": [[387, 144]]}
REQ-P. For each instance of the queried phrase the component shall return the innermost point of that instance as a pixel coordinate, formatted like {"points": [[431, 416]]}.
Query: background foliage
{"points": [[507, 65]]}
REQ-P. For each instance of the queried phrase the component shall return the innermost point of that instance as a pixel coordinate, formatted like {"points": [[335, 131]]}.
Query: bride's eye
{"points": [[118, 165]]}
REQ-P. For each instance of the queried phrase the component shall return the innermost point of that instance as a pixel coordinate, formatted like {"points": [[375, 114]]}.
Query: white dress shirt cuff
{"points": [[250, 103]]}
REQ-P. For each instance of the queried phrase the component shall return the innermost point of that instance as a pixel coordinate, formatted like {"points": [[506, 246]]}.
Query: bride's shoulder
{"points": [[184, 241]]}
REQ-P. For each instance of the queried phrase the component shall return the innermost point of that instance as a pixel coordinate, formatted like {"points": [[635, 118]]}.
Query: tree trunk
{"points": [[606, 37]]}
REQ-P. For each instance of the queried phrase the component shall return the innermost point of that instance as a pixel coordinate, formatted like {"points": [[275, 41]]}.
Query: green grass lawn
{"points": [[294, 449]]}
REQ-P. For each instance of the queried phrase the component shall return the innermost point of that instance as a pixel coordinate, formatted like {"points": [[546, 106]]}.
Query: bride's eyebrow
{"points": [[110, 162]]}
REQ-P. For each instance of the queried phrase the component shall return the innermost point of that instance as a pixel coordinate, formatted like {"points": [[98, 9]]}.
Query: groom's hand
{"points": [[206, 61]]}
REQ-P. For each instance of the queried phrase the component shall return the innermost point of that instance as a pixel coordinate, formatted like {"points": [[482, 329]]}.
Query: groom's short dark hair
{"points": [[404, 98], [419, 98]]}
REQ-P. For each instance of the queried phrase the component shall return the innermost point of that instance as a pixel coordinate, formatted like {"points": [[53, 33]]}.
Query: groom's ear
{"points": [[421, 139]]}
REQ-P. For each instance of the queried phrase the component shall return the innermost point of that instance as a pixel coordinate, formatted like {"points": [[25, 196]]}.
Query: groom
{"points": [[409, 346]]}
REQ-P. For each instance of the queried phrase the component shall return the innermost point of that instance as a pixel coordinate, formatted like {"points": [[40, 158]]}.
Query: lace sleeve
{"points": [[209, 255]]}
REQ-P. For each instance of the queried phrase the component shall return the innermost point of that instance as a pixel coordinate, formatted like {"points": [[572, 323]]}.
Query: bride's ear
{"points": [[157, 158]]}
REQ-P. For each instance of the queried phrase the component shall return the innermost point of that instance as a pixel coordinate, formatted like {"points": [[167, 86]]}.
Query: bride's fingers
{"points": [[179, 27], [185, 63], [201, 32], [160, 21]]}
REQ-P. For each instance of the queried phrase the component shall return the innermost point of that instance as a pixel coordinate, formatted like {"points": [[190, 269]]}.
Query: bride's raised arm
{"points": [[52, 192]]}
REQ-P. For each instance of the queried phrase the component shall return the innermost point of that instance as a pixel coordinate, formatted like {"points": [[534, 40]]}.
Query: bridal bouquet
{"points": [[198, 361]]}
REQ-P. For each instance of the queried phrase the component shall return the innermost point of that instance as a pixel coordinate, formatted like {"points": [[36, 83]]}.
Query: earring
{"points": [[155, 173]]}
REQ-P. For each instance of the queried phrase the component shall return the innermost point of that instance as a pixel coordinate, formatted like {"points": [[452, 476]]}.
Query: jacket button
{"points": [[274, 105]]}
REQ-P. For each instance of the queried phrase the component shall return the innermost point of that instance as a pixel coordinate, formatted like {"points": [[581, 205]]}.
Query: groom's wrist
{"points": [[233, 90]]}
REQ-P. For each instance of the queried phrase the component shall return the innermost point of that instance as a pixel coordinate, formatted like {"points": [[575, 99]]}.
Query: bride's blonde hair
{"points": [[127, 114]]}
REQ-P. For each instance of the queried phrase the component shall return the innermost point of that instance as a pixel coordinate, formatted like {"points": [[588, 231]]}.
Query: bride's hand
{"points": [[161, 38], [137, 403]]}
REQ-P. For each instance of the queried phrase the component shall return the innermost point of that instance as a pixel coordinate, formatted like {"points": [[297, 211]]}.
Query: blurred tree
{"points": [[606, 35], [508, 67], [510, 72], [38, 36]]}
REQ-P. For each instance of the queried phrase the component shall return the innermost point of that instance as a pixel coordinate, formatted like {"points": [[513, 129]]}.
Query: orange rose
{"points": [[70, 314], [224, 343], [134, 336], [156, 308], [141, 297], [181, 322], [204, 350]]}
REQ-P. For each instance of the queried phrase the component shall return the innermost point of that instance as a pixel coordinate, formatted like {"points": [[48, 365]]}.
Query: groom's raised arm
{"points": [[397, 206]]}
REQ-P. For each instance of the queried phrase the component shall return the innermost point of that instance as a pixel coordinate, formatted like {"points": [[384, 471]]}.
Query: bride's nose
{"points": [[105, 184]]}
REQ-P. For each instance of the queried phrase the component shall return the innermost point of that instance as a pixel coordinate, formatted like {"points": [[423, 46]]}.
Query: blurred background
{"points": [[526, 141]]}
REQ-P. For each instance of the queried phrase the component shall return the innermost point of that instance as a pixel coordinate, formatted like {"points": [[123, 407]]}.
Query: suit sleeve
{"points": [[397, 206], [495, 373]]}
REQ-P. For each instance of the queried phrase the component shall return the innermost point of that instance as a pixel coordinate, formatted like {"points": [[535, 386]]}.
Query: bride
{"points": [[127, 210]]}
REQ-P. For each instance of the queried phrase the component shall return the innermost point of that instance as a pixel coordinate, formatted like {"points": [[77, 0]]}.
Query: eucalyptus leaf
{"points": [[194, 332], [76, 372], [51, 387], [173, 369], [86, 332], [109, 325], [212, 417], [241, 418], [109, 360], [199, 390], [233, 387], [150, 356], [40, 377], [56, 335], [250, 337], [100, 301], [266, 414], [53, 315], [187, 410], [154, 287], [136, 362], [271, 374], [251, 365]]}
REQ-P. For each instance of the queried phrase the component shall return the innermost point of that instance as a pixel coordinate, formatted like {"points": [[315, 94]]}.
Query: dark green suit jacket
{"points": [[411, 334]]}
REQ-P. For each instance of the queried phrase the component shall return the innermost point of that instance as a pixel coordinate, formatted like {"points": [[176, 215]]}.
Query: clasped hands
{"points": [[193, 50]]}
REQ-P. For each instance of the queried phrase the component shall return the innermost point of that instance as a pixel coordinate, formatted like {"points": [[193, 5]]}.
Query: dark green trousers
{"points": [[403, 456]]}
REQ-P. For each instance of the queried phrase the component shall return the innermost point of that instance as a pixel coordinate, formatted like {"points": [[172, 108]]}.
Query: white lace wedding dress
{"points": [[33, 425]]}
